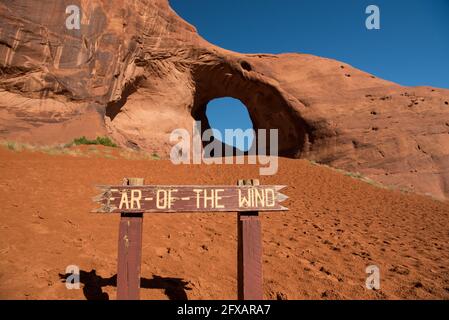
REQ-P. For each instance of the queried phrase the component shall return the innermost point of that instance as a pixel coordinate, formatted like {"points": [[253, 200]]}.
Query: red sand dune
{"points": [[336, 227]]}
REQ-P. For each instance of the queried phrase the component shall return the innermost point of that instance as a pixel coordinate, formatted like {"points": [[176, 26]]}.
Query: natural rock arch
{"points": [[139, 71], [267, 107]]}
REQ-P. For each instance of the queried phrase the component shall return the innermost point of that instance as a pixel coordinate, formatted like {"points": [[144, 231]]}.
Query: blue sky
{"points": [[411, 48]]}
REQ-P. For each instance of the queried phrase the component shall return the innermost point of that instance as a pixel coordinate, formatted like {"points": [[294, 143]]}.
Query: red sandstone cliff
{"points": [[136, 71]]}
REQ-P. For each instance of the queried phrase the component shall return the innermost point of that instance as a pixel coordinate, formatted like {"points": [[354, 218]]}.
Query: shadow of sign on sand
{"points": [[174, 288]]}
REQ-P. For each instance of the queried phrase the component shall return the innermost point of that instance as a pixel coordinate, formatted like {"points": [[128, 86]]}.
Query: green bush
{"points": [[155, 156], [104, 141]]}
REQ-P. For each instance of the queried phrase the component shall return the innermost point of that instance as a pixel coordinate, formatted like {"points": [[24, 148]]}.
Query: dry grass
{"points": [[361, 177], [130, 154], [59, 149], [75, 151]]}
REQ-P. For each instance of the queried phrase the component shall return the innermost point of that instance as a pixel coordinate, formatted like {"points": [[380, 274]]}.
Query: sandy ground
{"points": [[336, 227]]}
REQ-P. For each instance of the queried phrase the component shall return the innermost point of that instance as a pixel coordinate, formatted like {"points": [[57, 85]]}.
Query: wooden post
{"points": [[129, 251], [249, 253]]}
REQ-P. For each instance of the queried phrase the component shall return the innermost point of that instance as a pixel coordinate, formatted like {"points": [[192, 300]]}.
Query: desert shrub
{"points": [[104, 141], [11, 146], [16, 146], [155, 156], [356, 175]]}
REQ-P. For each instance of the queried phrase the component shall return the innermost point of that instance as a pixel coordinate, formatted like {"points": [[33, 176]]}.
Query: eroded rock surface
{"points": [[136, 71]]}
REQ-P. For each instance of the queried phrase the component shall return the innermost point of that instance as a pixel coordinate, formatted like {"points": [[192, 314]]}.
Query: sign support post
{"points": [[249, 252], [129, 251], [132, 199]]}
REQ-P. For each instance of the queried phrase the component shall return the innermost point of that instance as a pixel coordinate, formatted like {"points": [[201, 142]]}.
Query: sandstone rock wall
{"points": [[136, 71]]}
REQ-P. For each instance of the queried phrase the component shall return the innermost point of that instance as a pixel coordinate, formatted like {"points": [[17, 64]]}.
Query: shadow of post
{"points": [[174, 288]]}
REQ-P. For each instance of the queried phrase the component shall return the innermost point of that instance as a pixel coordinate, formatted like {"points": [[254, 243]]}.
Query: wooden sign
{"points": [[132, 199], [195, 198]]}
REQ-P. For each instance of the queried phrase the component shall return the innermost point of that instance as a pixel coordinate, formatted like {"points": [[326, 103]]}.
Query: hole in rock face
{"points": [[226, 114], [267, 108], [246, 66]]}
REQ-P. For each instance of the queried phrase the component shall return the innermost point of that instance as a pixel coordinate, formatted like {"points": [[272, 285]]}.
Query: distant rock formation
{"points": [[136, 71]]}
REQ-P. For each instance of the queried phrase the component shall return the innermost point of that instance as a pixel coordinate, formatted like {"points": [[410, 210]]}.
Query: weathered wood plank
{"points": [[129, 253], [193, 198], [249, 252]]}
